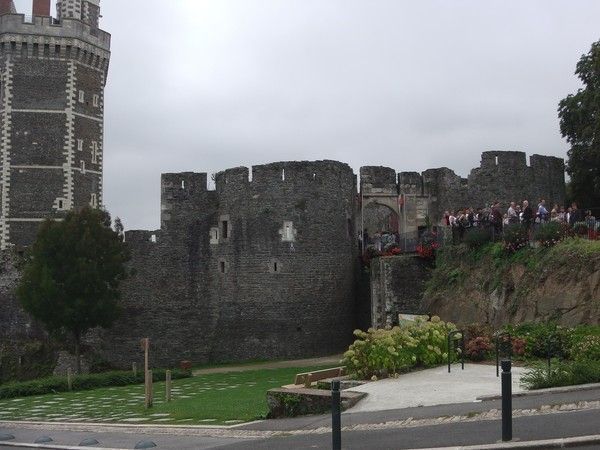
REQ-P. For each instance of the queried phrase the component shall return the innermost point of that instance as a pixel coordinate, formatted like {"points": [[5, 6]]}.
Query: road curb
{"points": [[53, 447], [556, 390], [571, 442], [141, 426]]}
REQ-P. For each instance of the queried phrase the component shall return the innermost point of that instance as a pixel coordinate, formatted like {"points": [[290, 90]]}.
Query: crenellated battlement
{"points": [[279, 174], [49, 30]]}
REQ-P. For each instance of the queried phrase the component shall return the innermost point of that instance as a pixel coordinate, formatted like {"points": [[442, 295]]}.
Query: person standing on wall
{"points": [[527, 216]]}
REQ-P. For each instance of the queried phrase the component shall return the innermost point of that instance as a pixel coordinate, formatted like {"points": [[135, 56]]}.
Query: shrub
{"points": [[562, 374], [514, 237], [477, 237], [586, 348], [580, 228], [381, 352], [542, 339], [551, 233], [478, 349], [519, 346], [82, 382]]}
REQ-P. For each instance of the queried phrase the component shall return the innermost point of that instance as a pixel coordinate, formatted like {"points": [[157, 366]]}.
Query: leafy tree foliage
{"points": [[580, 124], [71, 279]]}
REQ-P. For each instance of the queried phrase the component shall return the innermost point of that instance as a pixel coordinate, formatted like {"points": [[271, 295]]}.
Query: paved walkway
{"points": [[334, 361], [433, 387]]}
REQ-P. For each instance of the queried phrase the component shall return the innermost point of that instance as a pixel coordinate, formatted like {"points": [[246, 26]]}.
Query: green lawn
{"points": [[214, 399]]}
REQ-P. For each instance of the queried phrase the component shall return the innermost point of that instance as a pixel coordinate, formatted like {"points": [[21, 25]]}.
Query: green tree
{"points": [[71, 278], [580, 124]]}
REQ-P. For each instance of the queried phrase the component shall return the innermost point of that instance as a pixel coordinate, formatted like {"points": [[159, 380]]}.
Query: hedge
{"points": [[53, 385]]}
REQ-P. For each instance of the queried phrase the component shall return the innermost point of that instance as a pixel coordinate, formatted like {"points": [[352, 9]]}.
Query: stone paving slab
{"points": [[433, 387]]}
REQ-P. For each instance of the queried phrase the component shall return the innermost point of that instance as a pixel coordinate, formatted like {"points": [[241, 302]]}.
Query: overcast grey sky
{"points": [[204, 85]]}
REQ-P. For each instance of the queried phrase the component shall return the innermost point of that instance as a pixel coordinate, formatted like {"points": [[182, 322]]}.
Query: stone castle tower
{"points": [[52, 77]]}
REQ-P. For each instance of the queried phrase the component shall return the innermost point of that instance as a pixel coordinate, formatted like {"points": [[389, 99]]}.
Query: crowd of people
{"points": [[496, 218]]}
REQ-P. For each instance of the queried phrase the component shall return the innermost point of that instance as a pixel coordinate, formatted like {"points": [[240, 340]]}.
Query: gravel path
{"points": [[325, 360]]}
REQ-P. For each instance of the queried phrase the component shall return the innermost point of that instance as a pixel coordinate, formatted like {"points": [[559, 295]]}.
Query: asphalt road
{"points": [[549, 426], [472, 433]]}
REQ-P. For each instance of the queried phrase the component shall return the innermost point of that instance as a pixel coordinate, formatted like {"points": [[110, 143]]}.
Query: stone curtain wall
{"points": [[502, 176], [397, 287], [266, 265], [278, 284]]}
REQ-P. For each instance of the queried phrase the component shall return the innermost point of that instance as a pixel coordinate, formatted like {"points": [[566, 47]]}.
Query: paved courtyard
{"points": [[433, 387]]}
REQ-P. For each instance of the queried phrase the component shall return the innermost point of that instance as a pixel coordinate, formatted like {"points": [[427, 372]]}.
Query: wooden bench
{"points": [[308, 378]]}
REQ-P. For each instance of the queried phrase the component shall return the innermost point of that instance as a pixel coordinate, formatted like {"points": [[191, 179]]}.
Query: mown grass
{"points": [[223, 398]]}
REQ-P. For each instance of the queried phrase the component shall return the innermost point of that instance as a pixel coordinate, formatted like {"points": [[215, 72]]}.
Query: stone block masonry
{"points": [[52, 78], [264, 266], [256, 269]]}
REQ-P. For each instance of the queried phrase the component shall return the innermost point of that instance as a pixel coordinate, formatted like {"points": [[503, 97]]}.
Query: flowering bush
{"points": [[478, 349], [514, 237], [518, 346], [383, 352], [580, 228], [587, 347], [549, 234], [428, 245]]}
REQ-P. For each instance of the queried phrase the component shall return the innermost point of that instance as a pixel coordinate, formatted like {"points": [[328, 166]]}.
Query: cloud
{"points": [[205, 85]]}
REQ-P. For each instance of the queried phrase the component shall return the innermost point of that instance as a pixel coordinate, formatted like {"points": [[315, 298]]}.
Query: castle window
{"points": [[222, 266], [283, 175], [82, 166], [288, 232], [93, 200], [60, 204], [81, 96], [153, 238], [96, 100], [182, 184], [214, 235], [80, 145], [274, 266], [225, 229], [95, 152], [496, 160]]}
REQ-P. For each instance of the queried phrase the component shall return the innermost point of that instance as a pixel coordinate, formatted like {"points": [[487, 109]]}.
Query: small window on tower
{"points": [[82, 166], [60, 204], [225, 229], [80, 145], [94, 201], [96, 100], [81, 96]]}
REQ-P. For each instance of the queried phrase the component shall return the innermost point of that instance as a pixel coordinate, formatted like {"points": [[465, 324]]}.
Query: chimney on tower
{"points": [[7, 7], [41, 7]]}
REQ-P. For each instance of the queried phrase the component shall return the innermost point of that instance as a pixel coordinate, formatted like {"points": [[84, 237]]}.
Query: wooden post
{"points": [[134, 369], [168, 386], [147, 374], [69, 379], [149, 399]]}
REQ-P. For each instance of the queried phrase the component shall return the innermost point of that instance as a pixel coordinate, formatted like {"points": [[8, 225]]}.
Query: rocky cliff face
{"points": [[562, 284]]}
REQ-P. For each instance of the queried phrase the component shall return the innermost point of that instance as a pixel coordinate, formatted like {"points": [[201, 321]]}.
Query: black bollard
{"points": [[336, 416], [506, 401]]}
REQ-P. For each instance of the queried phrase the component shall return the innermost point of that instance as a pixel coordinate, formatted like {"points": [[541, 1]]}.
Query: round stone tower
{"points": [[52, 77]]}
